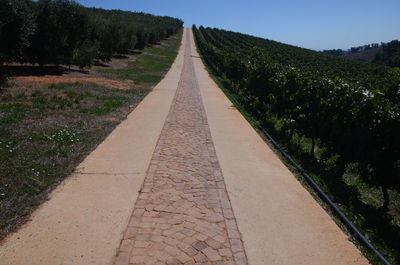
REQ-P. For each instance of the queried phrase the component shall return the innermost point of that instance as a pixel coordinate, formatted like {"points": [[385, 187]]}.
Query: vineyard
{"points": [[64, 32], [339, 118]]}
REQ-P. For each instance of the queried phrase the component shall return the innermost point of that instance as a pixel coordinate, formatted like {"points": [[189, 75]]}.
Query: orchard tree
{"points": [[142, 39], [61, 29], [17, 25]]}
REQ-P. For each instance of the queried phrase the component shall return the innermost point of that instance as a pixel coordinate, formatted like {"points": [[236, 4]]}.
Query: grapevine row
{"points": [[349, 110]]}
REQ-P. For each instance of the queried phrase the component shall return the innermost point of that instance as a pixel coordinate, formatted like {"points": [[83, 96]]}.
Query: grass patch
{"points": [[151, 65], [46, 131]]}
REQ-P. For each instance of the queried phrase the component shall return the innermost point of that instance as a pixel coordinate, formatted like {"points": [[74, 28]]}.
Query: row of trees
{"points": [[390, 55], [384, 53], [354, 119], [64, 32], [352, 50]]}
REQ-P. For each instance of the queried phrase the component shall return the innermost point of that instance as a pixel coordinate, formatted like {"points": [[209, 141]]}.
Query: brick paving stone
{"points": [[200, 245], [236, 245], [225, 252], [191, 251], [240, 258], [211, 254], [200, 257], [183, 214]]}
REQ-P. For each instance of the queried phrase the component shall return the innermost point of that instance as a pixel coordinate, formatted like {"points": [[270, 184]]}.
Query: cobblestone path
{"points": [[183, 214]]}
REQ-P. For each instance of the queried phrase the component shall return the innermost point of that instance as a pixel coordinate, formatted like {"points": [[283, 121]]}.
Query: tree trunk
{"points": [[312, 146], [385, 193], [291, 134]]}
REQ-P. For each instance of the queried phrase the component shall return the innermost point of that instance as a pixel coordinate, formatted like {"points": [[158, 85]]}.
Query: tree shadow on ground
{"points": [[120, 56], [27, 70], [375, 224]]}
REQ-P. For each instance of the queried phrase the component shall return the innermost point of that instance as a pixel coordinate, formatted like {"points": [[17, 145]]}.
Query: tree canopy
{"points": [[64, 32]]}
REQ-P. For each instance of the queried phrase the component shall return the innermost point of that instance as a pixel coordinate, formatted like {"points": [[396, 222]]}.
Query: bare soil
{"points": [[50, 79], [27, 75]]}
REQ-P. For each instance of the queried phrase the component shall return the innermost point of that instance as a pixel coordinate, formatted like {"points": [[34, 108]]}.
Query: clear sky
{"points": [[314, 24]]}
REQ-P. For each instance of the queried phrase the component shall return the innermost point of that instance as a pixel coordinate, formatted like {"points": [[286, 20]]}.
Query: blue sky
{"points": [[314, 24]]}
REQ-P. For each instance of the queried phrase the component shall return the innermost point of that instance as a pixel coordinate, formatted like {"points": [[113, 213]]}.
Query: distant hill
{"points": [[357, 50], [390, 55], [385, 53], [367, 55]]}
